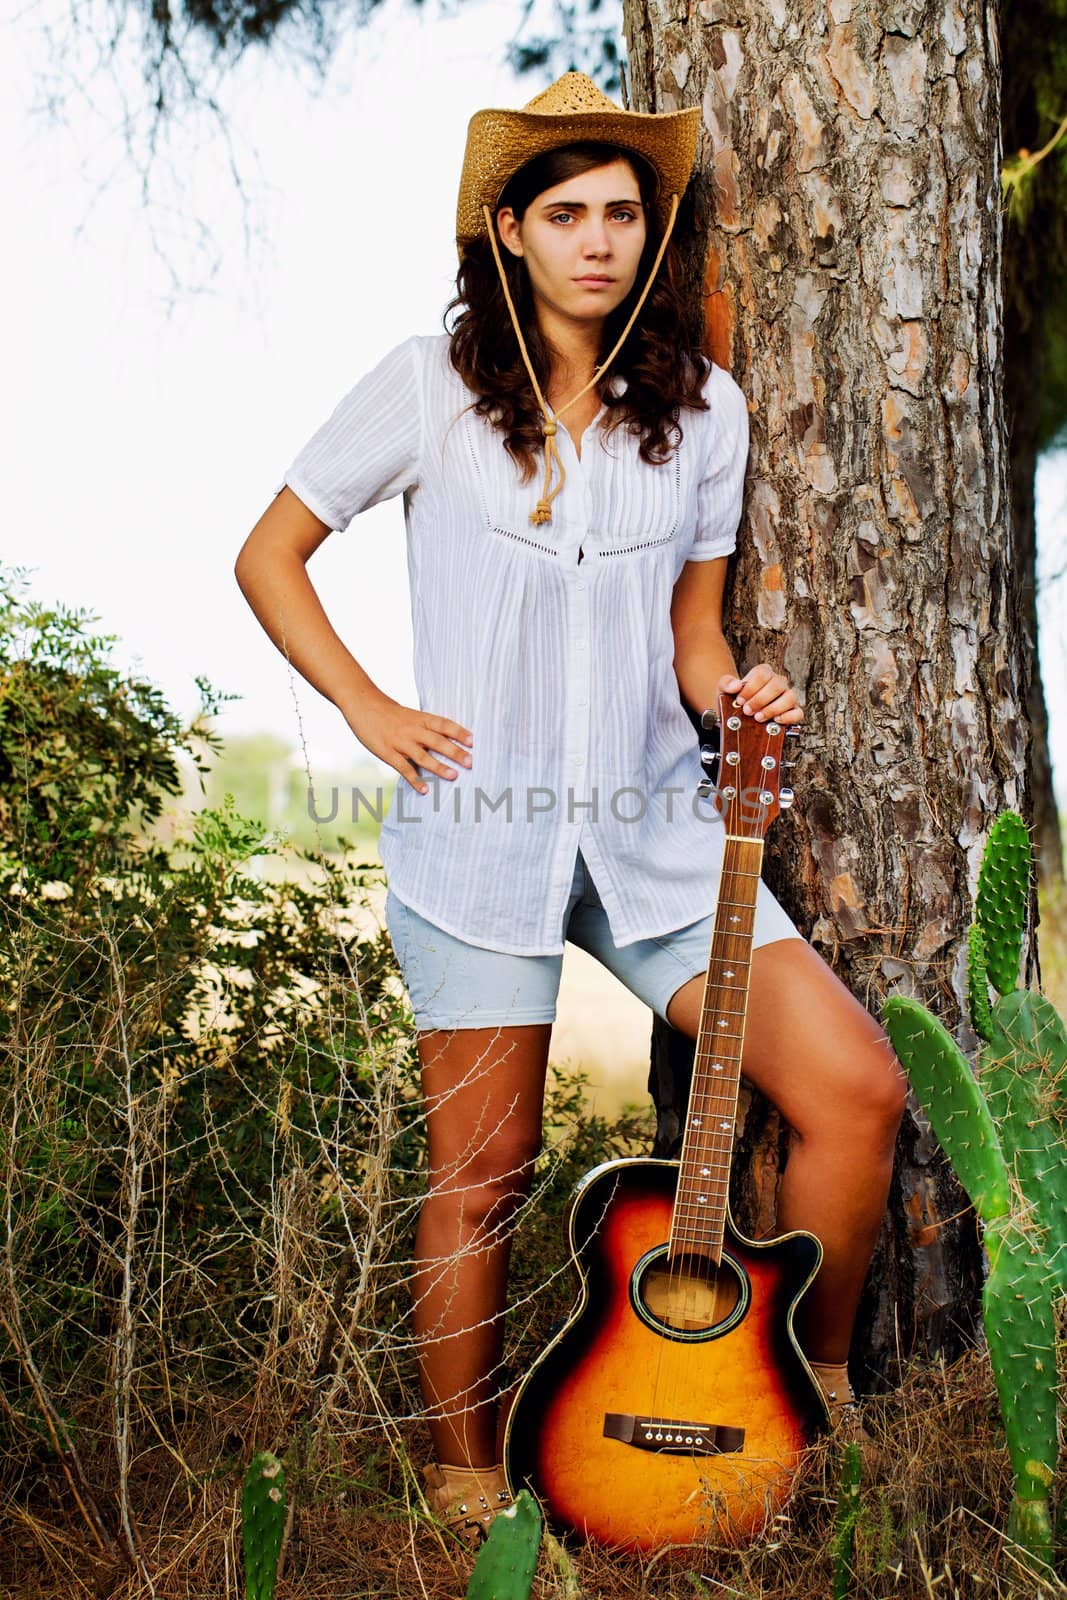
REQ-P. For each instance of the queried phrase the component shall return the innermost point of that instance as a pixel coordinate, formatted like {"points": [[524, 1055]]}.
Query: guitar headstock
{"points": [[751, 757]]}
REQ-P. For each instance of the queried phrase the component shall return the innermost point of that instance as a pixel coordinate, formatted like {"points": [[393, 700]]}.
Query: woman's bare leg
{"points": [[827, 1066], [484, 1090]]}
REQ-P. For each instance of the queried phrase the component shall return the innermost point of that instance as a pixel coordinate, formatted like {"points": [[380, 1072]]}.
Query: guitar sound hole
{"points": [[689, 1297]]}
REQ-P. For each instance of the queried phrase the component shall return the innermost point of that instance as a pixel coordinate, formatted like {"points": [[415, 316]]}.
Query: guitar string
{"points": [[711, 1155], [669, 1402], [683, 1303], [703, 1158]]}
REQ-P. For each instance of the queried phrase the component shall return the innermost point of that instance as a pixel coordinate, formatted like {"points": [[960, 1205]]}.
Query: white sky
{"points": [[147, 422]]}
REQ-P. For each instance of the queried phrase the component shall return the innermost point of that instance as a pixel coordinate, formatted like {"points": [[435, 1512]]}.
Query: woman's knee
{"points": [[485, 1185], [505, 1165], [836, 1075], [882, 1089], [860, 1095]]}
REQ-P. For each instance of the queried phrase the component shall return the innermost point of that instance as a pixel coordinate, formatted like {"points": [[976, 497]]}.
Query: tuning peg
{"points": [[785, 798], [792, 733], [708, 756], [709, 719], [705, 787]]}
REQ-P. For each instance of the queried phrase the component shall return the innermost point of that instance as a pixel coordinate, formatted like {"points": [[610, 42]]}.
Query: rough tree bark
{"points": [[847, 227]]}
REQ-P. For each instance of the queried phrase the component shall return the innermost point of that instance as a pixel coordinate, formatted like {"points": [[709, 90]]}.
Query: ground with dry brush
{"points": [[937, 1486]]}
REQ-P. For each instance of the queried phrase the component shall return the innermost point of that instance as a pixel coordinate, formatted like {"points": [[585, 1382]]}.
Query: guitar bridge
{"points": [[666, 1438]]}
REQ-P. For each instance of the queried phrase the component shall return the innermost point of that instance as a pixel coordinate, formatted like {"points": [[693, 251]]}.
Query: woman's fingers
{"points": [[768, 696], [455, 730], [785, 710], [449, 739], [408, 738], [439, 736]]}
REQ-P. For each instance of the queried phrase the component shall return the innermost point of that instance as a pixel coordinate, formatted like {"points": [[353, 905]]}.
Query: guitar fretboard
{"points": [[699, 1218]]}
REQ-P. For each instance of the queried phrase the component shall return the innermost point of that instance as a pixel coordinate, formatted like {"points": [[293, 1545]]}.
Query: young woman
{"points": [[557, 635]]}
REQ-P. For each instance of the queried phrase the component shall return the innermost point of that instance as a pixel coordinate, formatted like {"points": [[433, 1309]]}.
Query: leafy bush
{"points": [[212, 1144]]}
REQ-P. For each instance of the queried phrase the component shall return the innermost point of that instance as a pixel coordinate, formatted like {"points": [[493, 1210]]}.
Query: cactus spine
{"points": [[263, 1524], [1023, 1066], [1004, 1134], [504, 1569]]}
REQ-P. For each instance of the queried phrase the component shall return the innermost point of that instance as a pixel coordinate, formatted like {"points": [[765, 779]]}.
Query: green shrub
{"points": [[211, 1135]]}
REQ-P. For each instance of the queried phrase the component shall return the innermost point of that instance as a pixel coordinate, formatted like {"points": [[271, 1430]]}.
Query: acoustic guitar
{"points": [[674, 1404]]}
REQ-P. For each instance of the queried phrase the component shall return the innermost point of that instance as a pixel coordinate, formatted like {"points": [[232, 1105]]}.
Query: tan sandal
{"points": [[466, 1499], [845, 1419]]}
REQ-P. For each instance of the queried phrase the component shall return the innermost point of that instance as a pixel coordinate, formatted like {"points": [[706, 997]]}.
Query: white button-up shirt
{"points": [[551, 643]]}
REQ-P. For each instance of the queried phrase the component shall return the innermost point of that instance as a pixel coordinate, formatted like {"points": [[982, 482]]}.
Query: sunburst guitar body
{"points": [[674, 1405]]}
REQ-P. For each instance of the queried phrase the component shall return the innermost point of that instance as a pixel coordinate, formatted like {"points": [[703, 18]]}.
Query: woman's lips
{"points": [[594, 283]]}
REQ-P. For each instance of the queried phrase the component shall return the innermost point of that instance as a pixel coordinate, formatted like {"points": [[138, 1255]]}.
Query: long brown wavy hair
{"points": [[660, 358]]}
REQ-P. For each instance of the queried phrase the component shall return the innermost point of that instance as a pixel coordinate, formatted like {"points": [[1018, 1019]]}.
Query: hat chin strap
{"points": [[542, 512]]}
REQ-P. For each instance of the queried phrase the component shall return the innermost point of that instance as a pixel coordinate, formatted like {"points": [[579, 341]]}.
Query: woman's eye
{"points": [[559, 216]]}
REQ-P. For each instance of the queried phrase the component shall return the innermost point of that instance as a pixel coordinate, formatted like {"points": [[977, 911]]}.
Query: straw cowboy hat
{"points": [[572, 109]]}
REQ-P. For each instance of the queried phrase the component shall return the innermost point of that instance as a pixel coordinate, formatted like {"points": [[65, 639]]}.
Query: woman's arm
{"points": [[703, 663], [271, 571], [272, 575]]}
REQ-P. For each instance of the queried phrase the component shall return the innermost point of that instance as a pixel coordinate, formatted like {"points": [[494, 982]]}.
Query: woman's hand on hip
{"points": [[406, 738], [763, 694]]}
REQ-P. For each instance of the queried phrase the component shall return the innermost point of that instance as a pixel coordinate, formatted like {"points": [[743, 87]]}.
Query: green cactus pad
{"points": [[848, 1511], [504, 1569], [978, 983], [1003, 896], [1030, 1526], [263, 1524], [1020, 1327], [951, 1098], [1023, 1070]]}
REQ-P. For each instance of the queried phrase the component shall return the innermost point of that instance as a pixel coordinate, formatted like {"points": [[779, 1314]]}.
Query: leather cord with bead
{"points": [[542, 512]]}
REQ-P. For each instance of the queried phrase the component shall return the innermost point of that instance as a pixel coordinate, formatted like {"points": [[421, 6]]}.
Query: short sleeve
{"points": [[368, 448], [721, 488]]}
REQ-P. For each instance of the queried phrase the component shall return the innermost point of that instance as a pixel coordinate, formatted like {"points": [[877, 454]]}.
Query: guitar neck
{"points": [[698, 1222]]}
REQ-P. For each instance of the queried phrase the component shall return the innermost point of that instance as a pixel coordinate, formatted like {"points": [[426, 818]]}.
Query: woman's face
{"points": [[581, 241]]}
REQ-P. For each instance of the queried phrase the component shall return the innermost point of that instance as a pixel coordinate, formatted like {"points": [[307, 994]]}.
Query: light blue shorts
{"points": [[453, 984]]}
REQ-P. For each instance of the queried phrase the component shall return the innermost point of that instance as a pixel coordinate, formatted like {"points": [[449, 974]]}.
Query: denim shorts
{"points": [[453, 984]]}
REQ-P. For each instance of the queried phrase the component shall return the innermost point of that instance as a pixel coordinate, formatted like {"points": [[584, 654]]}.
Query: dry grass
{"points": [[936, 1489], [166, 1449]]}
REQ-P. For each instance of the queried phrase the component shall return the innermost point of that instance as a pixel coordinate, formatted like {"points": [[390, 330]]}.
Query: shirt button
{"points": [[580, 760], [579, 644]]}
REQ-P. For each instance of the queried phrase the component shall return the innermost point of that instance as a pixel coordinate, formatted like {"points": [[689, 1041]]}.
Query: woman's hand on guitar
{"points": [[408, 738], [764, 694]]}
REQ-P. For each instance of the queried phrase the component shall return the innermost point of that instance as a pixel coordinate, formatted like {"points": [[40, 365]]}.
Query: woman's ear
{"points": [[509, 230]]}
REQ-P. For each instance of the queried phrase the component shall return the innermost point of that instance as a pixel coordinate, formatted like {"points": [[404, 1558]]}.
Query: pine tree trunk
{"points": [[848, 233]]}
